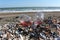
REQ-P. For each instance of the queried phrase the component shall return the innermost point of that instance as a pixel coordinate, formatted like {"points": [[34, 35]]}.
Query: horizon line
{"points": [[30, 6]]}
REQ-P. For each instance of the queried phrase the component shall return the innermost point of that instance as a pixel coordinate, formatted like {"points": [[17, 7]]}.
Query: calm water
{"points": [[29, 8]]}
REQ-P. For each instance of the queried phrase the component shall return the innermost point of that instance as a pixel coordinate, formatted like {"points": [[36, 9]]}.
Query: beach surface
{"points": [[10, 15]]}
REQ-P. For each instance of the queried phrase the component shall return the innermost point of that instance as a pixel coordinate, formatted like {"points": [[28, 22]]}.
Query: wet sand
{"points": [[28, 13]]}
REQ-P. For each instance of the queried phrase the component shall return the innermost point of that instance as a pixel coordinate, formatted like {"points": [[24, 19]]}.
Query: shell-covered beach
{"points": [[7, 16]]}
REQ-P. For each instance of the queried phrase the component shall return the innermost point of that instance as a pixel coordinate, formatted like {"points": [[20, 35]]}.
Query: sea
{"points": [[29, 9]]}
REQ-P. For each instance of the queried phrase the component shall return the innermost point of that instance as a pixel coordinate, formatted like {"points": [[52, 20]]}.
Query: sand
{"points": [[4, 16], [12, 14]]}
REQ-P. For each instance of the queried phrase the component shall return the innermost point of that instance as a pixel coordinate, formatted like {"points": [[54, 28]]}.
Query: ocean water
{"points": [[29, 9]]}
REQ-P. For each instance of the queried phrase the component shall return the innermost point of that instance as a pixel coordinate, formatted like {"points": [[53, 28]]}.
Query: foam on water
{"points": [[30, 9]]}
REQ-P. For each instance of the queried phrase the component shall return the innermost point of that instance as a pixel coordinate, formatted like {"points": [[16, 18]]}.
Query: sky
{"points": [[29, 3]]}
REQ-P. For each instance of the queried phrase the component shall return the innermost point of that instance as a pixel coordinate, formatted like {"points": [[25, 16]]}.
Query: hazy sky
{"points": [[29, 3]]}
